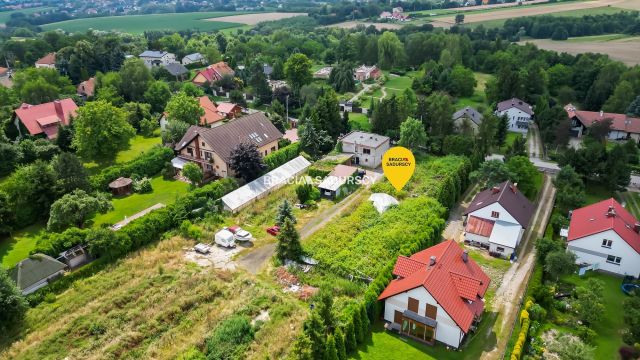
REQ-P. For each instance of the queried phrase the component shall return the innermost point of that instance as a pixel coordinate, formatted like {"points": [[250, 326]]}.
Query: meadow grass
{"points": [[17, 247], [359, 122]]}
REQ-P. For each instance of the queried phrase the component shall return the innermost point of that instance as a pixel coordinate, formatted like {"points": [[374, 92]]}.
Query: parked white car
{"points": [[224, 238], [239, 234]]}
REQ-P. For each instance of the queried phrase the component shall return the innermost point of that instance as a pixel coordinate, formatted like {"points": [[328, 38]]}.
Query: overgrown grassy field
{"points": [[137, 24], [137, 146], [155, 304]]}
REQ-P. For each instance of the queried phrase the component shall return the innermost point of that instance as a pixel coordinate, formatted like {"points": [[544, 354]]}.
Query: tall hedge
{"points": [[148, 164], [281, 156]]}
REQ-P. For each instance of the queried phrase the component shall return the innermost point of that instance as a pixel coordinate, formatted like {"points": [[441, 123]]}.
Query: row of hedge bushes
{"points": [[524, 329], [282, 156], [138, 233], [148, 164], [314, 172]]}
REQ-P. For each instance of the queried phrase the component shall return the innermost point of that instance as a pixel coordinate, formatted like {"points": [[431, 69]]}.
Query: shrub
{"points": [[143, 186], [317, 173], [168, 171], [53, 244], [148, 164], [282, 156], [537, 312], [230, 339], [305, 192]]}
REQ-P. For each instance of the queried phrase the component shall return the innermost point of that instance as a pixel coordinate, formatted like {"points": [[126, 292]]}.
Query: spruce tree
{"points": [[288, 247], [364, 321], [325, 307], [346, 127], [501, 130], [350, 337], [357, 326], [340, 345], [285, 211], [330, 352], [315, 330]]}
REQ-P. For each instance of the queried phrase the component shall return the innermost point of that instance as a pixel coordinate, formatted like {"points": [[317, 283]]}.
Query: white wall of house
{"points": [[447, 331], [506, 251], [167, 59], [516, 119], [503, 214], [476, 238], [374, 157], [589, 250], [45, 66]]}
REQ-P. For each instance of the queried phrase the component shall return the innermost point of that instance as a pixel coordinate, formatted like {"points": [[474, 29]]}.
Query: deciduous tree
{"points": [[412, 134], [185, 108], [13, 304], [246, 161], [70, 174], [75, 208], [297, 69], [193, 173], [157, 95], [136, 78]]}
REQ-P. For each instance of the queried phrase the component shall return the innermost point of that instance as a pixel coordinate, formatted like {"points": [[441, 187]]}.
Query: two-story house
{"points": [[437, 295], [497, 218], [605, 236], [211, 148], [623, 126], [212, 73], [364, 72], [43, 119], [367, 148], [48, 61], [467, 117], [518, 112], [153, 58]]}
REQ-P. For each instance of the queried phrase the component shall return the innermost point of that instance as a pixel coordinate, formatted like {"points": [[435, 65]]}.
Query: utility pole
{"points": [[287, 107]]}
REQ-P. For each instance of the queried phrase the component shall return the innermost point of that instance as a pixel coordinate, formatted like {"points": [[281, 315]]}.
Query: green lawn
{"points": [[164, 191], [596, 192], [399, 82], [17, 247], [5, 15], [609, 328], [478, 98], [137, 146], [137, 24], [359, 122]]}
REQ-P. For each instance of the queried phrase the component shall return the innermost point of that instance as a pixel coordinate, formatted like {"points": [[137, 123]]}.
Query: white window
{"points": [[614, 259], [495, 214], [606, 243], [500, 249]]}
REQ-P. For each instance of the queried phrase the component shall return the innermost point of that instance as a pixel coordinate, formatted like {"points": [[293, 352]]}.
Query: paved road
{"points": [[536, 152], [510, 294]]}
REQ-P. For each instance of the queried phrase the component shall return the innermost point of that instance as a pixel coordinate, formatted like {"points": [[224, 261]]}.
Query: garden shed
{"points": [[265, 184], [121, 186]]}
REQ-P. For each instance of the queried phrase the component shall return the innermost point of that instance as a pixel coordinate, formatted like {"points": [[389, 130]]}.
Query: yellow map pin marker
{"points": [[398, 165]]}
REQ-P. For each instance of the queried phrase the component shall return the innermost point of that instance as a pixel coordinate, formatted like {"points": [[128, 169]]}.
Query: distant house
{"points": [[323, 73], [177, 70], [210, 118], [153, 58], [86, 88], [277, 84], [48, 61], [467, 116], [339, 182], [229, 110], [605, 236], [195, 58], [35, 272], [396, 14], [497, 218], [211, 148], [437, 295], [367, 148], [267, 70], [212, 73], [43, 119], [519, 113], [4, 71], [364, 73], [623, 127], [5, 77]]}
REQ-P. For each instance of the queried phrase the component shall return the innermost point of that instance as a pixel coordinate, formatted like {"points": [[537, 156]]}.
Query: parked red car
{"points": [[274, 230]]}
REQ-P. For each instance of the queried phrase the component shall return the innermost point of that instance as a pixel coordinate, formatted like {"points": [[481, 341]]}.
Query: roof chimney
{"points": [[495, 189], [601, 113], [514, 187], [465, 256], [432, 260], [611, 212], [636, 227]]}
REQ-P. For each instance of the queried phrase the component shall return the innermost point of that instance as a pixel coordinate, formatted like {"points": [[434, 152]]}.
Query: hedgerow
{"points": [[148, 164], [281, 156]]}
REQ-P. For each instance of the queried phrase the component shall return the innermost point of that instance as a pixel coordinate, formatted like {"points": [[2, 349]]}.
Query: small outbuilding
{"points": [[75, 257], [382, 202], [339, 182], [35, 272], [121, 186]]}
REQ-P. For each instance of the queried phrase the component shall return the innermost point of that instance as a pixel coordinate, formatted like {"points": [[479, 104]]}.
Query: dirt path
{"points": [[514, 282], [365, 87], [455, 227], [535, 148]]}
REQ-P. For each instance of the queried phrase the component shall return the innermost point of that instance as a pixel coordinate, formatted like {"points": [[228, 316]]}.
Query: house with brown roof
{"points": [[43, 119], [212, 117], [497, 218], [467, 117], [364, 72], [623, 127], [211, 148], [436, 295], [86, 88], [47, 61], [518, 112], [229, 110], [212, 73]]}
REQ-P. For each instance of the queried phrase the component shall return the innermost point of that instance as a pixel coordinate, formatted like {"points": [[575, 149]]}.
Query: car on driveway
{"points": [[239, 234]]}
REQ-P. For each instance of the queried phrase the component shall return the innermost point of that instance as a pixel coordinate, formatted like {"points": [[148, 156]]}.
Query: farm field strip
{"points": [[253, 19], [626, 49]]}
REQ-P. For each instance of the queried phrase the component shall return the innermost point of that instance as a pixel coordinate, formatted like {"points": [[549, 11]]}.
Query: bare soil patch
{"points": [[625, 50], [379, 26], [253, 19]]}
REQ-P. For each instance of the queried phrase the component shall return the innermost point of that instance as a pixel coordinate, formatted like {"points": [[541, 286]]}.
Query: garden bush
{"points": [[230, 339], [148, 164], [282, 156], [53, 244], [143, 186], [314, 172]]}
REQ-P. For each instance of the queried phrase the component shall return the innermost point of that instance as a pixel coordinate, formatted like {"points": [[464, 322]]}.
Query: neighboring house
{"points": [[267, 70], [323, 73], [467, 116], [229, 110], [210, 118], [212, 73], [153, 58], [5, 77], [4, 72], [437, 295], [86, 89], [497, 218], [606, 236], [211, 147], [396, 14], [43, 119], [340, 181], [367, 148], [276, 84], [195, 58], [623, 127], [47, 61], [364, 73], [36, 272], [177, 70], [518, 112]]}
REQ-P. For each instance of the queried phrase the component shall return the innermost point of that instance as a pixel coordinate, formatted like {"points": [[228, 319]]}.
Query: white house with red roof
{"points": [[43, 119], [497, 219], [212, 73], [48, 61], [606, 236], [519, 113], [623, 127], [437, 295]]}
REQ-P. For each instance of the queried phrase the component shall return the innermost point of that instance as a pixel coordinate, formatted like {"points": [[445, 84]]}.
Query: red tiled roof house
{"points": [[623, 127], [86, 88], [497, 218], [606, 236], [47, 61], [43, 119], [437, 295], [211, 117], [212, 73]]}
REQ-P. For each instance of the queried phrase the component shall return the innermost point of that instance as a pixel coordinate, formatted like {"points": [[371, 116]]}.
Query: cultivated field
{"points": [[625, 49], [253, 19]]}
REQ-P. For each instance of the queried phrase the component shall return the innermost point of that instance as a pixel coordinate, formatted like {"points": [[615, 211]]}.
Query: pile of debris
{"points": [[291, 284]]}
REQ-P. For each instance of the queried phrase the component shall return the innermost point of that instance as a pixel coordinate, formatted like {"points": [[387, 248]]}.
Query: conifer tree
{"points": [[285, 211]]}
